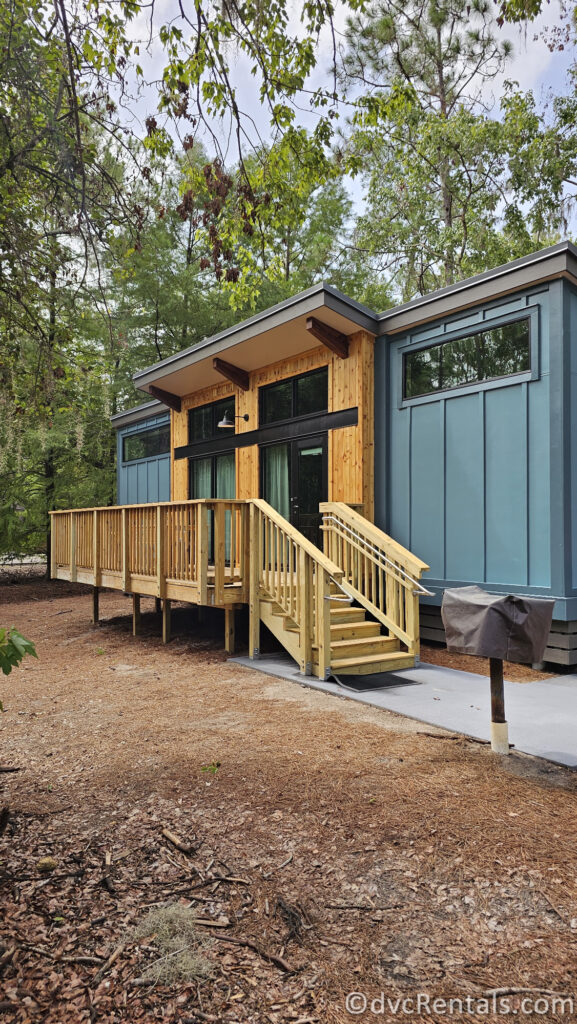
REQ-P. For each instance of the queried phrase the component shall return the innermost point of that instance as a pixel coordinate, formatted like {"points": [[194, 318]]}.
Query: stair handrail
{"points": [[404, 577], [382, 575], [335, 571], [289, 570]]}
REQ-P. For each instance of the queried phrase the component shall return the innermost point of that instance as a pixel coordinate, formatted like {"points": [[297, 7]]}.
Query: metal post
{"points": [[499, 728], [95, 609]]}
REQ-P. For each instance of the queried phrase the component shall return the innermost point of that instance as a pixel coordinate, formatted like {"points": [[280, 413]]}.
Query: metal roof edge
{"points": [[137, 413], [278, 314], [531, 260]]}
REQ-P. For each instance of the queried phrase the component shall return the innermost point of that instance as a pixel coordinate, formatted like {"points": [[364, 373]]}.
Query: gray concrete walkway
{"points": [[542, 715]]}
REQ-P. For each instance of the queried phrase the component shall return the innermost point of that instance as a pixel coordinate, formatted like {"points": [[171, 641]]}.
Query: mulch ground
{"points": [[325, 847]]}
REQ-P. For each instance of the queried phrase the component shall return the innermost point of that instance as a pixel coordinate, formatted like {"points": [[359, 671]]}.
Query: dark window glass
{"points": [[486, 355], [277, 402], [312, 393], [147, 444], [297, 396], [203, 421]]}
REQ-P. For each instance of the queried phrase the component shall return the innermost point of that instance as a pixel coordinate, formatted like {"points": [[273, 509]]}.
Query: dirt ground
{"points": [[325, 847]]}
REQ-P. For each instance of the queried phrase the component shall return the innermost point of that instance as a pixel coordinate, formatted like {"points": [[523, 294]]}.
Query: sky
{"points": [[533, 65]]}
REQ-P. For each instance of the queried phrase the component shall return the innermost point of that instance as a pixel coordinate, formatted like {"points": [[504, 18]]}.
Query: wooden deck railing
{"points": [[174, 550], [379, 573], [226, 553], [289, 570]]}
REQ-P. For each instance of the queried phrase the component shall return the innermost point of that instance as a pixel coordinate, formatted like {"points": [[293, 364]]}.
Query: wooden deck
{"points": [[228, 553]]}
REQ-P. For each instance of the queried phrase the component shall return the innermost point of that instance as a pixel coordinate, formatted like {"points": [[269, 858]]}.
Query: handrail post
{"points": [[125, 552], [412, 623], [323, 592], [306, 613], [73, 569], [255, 558], [160, 577], [219, 552], [245, 551], [202, 552]]}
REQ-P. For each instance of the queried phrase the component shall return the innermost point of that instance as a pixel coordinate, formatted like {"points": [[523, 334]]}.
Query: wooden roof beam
{"points": [[329, 336], [233, 373], [172, 401]]}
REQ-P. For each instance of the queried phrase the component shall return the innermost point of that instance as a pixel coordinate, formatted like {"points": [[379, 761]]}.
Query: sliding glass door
{"points": [[295, 480], [214, 477]]}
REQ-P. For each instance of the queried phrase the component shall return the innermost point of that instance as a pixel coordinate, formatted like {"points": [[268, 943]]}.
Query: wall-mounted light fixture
{"points": [[228, 421]]}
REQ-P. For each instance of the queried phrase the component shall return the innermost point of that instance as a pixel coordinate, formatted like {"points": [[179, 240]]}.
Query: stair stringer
{"points": [[275, 621]]}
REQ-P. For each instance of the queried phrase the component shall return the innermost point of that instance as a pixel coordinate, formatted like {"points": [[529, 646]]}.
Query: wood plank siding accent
{"points": [[351, 449]]}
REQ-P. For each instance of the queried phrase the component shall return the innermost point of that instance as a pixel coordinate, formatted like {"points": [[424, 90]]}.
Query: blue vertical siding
{"points": [[146, 479], [468, 487], [464, 489]]}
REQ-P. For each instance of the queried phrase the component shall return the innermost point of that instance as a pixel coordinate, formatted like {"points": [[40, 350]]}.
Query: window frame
{"points": [[138, 433], [230, 401], [490, 320], [293, 381]]}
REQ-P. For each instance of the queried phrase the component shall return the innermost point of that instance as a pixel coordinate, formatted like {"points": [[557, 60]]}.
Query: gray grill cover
{"points": [[496, 625]]}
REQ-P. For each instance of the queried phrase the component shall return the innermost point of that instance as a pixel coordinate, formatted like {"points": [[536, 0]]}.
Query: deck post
{"points": [[125, 551], [135, 614], [229, 638], [254, 582], [95, 609], [160, 580], [202, 552], [166, 621], [96, 550], [306, 613], [73, 570], [53, 563]]}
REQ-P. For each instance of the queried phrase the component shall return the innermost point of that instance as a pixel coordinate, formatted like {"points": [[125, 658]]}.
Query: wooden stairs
{"points": [[357, 645]]}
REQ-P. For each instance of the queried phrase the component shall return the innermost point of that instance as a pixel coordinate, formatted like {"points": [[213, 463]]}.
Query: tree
{"points": [[434, 162]]}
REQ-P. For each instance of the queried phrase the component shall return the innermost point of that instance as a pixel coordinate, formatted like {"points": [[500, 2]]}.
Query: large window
{"points": [[486, 355], [203, 421], [146, 444], [297, 396]]}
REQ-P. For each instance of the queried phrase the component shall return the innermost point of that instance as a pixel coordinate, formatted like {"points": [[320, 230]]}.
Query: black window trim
{"points": [[528, 314], [292, 379], [286, 430], [230, 399]]}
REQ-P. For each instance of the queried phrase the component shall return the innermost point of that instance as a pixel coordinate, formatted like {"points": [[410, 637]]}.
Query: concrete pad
{"points": [[542, 715]]}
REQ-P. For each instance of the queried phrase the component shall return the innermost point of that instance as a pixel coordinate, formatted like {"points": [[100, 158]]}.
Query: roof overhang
{"points": [[546, 265], [276, 334], [140, 412]]}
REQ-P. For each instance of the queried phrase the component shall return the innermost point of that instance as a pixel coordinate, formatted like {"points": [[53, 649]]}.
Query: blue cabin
{"points": [[142, 454], [476, 444], [451, 421]]}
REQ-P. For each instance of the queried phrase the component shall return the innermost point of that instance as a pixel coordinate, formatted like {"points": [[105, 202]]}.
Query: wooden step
{"points": [[346, 613], [372, 645], [393, 662], [354, 630]]}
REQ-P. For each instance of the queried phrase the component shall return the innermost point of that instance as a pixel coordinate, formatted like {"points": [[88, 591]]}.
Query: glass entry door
{"points": [[295, 481]]}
